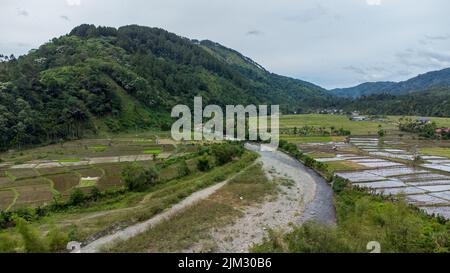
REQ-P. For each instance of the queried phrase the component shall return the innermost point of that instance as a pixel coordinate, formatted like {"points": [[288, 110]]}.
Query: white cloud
{"points": [[373, 2], [73, 2]]}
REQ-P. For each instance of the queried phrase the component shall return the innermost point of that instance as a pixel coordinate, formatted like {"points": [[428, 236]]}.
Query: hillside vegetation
{"points": [[105, 79], [433, 102]]}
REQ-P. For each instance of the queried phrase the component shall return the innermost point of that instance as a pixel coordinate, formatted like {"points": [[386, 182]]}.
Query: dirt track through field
{"points": [[309, 198], [134, 230]]}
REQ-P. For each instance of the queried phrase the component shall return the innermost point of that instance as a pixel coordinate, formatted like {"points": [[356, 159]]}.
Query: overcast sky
{"points": [[333, 43]]}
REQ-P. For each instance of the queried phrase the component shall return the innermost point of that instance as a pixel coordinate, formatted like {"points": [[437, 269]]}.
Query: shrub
{"points": [[29, 214], [317, 238], [57, 240], [33, 242], [309, 161], [339, 184], [203, 164], [224, 153], [5, 219], [8, 244], [290, 148], [95, 194], [77, 197], [183, 169], [137, 178]]}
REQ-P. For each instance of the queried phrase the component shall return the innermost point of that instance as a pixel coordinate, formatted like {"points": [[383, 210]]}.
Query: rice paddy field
{"points": [[36, 176], [382, 165], [388, 166], [96, 219]]}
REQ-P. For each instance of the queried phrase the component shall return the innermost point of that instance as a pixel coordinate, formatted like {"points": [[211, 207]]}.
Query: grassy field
{"points": [[439, 151], [193, 225], [337, 121], [341, 121], [310, 139], [343, 166]]}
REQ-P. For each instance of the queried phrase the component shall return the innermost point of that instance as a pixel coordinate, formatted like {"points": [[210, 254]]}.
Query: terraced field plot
{"points": [[57, 170], [398, 164], [6, 199], [74, 151], [386, 169], [33, 195]]}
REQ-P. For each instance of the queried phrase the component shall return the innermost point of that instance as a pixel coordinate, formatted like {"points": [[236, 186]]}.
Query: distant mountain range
{"points": [[424, 82]]}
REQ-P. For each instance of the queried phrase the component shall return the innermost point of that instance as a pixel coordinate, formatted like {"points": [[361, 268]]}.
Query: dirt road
{"points": [[134, 230]]}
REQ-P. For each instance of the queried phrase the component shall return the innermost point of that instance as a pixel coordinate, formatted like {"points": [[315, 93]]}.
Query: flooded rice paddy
{"points": [[388, 169]]}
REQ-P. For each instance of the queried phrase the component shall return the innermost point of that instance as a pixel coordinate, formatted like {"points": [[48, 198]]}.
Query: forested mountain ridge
{"points": [[106, 79], [421, 83], [296, 95], [432, 102]]}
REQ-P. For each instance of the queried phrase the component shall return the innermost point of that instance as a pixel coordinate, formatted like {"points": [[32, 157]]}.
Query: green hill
{"points": [[105, 79]]}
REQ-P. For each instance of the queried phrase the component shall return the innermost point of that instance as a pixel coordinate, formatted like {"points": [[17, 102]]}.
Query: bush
{"points": [[29, 214], [317, 238], [203, 164], [57, 240], [5, 219], [224, 153], [339, 184], [183, 169], [33, 242], [8, 244], [137, 178], [77, 197], [290, 148], [95, 194], [309, 161]]}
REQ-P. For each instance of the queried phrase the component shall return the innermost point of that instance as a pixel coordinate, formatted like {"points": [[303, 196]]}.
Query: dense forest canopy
{"points": [[432, 102]]}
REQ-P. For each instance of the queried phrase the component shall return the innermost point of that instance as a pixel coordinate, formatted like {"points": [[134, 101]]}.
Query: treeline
{"points": [[434, 102]]}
